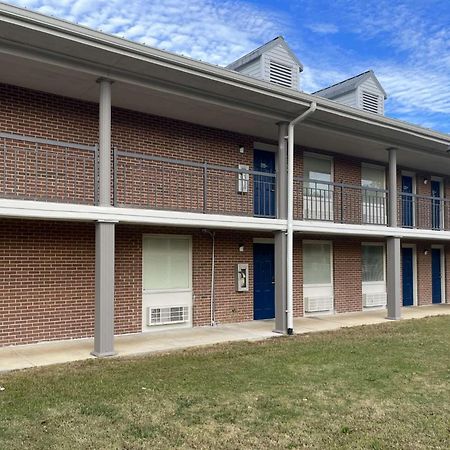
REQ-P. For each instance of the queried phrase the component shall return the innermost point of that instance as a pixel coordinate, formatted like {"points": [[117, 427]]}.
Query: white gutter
{"points": [[290, 217]]}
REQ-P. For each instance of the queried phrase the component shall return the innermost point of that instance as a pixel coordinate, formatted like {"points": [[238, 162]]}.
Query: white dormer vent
{"points": [[273, 62], [362, 91], [370, 102], [280, 74]]}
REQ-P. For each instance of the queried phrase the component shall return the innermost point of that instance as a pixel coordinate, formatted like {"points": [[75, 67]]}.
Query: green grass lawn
{"points": [[377, 387]]}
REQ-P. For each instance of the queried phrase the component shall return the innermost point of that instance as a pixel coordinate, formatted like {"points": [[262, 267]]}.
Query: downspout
{"points": [[290, 217], [213, 263]]}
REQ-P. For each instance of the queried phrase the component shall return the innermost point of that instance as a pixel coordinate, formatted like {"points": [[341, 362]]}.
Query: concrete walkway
{"points": [[32, 355]]}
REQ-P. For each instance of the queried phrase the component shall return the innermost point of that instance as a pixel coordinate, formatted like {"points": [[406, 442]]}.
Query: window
{"points": [[372, 263], [166, 263], [373, 196], [318, 190], [317, 263]]}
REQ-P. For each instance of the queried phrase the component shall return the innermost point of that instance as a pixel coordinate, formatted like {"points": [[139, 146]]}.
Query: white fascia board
{"points": [[24, 209], [317, 227]]}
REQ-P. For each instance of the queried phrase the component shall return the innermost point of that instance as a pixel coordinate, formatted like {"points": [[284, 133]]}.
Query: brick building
{"points": [[141, 191]]}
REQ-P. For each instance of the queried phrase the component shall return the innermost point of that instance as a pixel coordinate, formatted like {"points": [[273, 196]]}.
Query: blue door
{"points": [[436, 205], [407, 202], [263, 281], [436, 271], [264, 186], [407, 276]]}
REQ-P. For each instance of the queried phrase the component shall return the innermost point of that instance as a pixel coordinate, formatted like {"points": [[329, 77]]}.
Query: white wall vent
{"points": [[167, 315], [318, 304], [280, 74], [374, 299], [370, 102]]}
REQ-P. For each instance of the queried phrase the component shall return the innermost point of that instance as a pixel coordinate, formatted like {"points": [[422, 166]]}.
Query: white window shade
{"points": [[372, 263], [317, 168], [373, 177], [316, 263], [166, 263]]}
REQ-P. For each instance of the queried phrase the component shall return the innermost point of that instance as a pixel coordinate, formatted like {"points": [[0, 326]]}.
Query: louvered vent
{"points": [[374, 299], [370, 102], [280, 74], [318, 304], [167, 315]]}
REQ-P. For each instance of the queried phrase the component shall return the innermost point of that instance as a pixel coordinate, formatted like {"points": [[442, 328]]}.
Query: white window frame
{"points": [[377, 244], [168, 236], [381, 168]]}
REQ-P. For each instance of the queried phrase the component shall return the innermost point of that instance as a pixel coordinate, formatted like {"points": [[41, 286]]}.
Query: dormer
{"points": [[362, 91], [273, 62]]}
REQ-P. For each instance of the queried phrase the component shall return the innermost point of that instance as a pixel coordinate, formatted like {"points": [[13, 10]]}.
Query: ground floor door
{"points": [[436, 275], [263, 281], [408, 276]]}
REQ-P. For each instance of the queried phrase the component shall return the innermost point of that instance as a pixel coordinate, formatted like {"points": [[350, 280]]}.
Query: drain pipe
{"points": [[290, 217], [213, 263]]}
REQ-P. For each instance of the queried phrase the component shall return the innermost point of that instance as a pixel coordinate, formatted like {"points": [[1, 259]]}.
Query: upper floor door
{"points": [[264, 186], [436, 212], [407, 201]]}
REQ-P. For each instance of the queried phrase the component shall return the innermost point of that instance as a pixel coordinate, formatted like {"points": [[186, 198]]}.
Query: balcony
{"points": [[154, 182], [47, 170], [339, 203]]}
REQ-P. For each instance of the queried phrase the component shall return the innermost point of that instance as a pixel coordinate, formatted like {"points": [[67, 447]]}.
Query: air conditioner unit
{"points": [[167, 315], [374, 299], [318, 304]]}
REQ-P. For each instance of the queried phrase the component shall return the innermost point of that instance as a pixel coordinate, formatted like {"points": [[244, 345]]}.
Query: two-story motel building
{"points": [[141, 190]]}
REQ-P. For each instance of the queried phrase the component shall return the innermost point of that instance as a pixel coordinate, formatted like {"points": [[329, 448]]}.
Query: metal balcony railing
{"points": [[47, 170], [340, 203], [423, 212], [155, 182]]}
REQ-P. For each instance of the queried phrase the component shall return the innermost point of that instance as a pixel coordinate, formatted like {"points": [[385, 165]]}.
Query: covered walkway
{"points": [[33, 355]]}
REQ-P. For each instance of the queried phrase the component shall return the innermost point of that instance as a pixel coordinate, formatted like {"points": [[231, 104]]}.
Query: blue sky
{"points": [[406, 43]]}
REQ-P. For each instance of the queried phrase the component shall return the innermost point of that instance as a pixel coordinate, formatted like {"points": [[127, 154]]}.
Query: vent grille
{"points": [[370, 102], [167, 315], [280, 74], [318, 304], [374, 299]]}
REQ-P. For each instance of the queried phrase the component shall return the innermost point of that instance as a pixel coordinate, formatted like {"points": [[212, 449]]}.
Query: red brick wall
{"points": [[424, 290], [347, 275], [46, 281]]}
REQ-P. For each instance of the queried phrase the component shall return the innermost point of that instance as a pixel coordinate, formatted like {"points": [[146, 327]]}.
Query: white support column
{"points": [[104, 289], [104, 235], [394, 300], [393, 266], [280, 236], [105, 142]]}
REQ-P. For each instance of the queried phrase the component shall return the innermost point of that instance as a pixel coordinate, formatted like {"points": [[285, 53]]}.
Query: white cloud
{"points": [[217, 32], [323, 28]]}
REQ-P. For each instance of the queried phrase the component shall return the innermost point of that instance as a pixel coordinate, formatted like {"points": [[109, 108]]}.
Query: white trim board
{"points": [[25, 209]]}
